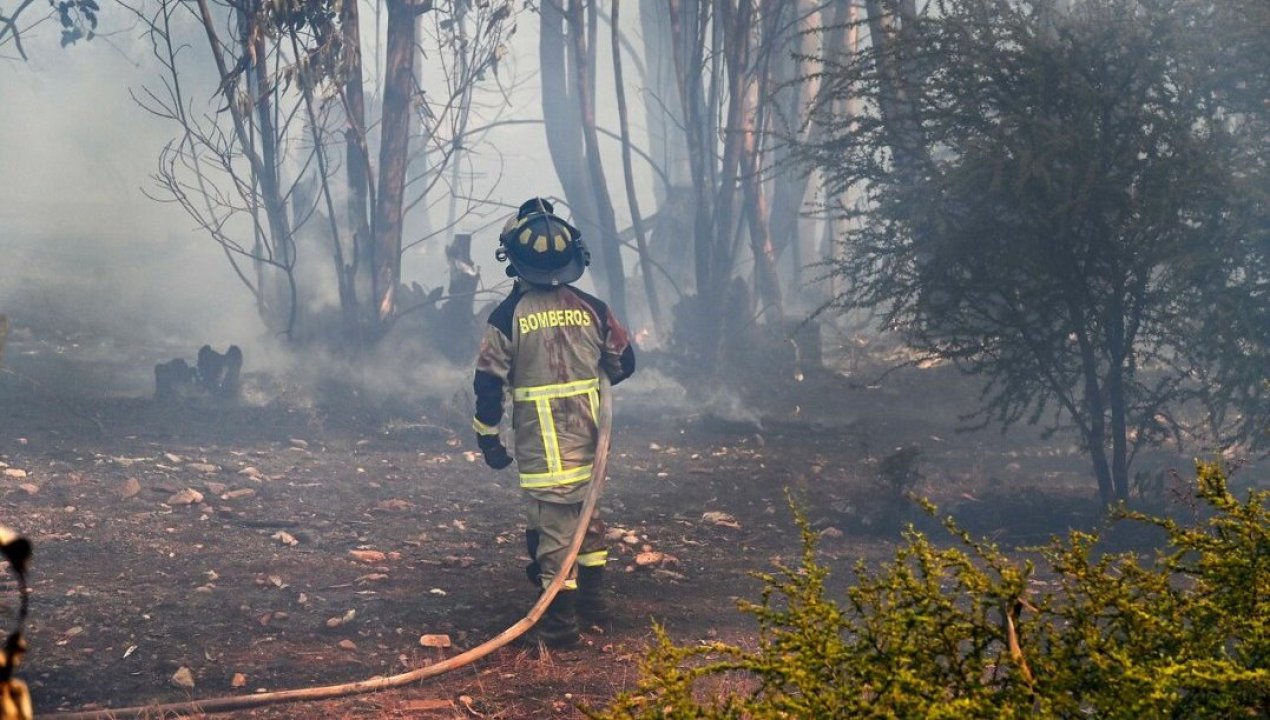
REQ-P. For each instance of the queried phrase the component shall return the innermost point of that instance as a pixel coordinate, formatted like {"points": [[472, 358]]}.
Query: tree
{"points": [[708, 75], [628, 173], [262, 163], [1237, 320], [1067, 201], [568, 54], [723, 52]]}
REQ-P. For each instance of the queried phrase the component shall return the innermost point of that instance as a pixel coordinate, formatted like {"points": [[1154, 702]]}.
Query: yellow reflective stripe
{"points": [[594, 397], [550, 442], [541, 396], [483, 429], [551, 479], [552, 392], [593, 559], [569, 585]]}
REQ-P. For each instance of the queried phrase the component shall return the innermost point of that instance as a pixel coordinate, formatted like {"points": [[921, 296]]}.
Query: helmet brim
{"points": [[563, 275]]}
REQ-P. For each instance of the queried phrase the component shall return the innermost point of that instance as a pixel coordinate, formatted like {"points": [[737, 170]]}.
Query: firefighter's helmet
{"points": [[542, 247]]}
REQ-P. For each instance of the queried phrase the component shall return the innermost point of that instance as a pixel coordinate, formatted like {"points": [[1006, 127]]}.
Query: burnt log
{"points": [[216, 375], [219, 374], [173, 380]]}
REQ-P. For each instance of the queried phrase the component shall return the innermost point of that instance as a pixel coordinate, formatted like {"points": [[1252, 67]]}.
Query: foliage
{"points": [[1068, 200], [965, 632], [77, 18]]}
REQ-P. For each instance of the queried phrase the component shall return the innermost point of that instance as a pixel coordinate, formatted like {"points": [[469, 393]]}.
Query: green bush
{"points": [[966, 632]]}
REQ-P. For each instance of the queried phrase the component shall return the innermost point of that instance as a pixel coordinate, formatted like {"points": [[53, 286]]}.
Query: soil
{"points": [[287, 542]]}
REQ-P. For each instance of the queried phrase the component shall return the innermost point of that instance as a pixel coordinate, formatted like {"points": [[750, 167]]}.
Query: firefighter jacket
{"points": [[548, 346]]}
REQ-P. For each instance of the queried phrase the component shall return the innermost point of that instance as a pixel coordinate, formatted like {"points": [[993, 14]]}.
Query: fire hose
{"points": [[375, 684]]}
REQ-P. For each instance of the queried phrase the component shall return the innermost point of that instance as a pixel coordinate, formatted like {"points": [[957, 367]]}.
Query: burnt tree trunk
{"points": [[758, 209], [766, 279], [899, 79], [637, 219], [263, 171], [670, 226], [394, 147], [563, 124], [356, 276], [689, 55], [732, 24], [797, 101], [1095, 431], [1119, 365], [268, 172], [584, 53]]}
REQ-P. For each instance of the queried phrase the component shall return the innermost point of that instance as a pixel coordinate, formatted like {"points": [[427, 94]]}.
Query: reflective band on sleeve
{"points": [[552, 479], [553, 392], [483, 429], [593, 559]]}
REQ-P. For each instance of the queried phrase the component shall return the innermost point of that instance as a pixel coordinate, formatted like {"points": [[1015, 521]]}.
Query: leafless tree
{"points": [[724, 53], [628, 172], [567, 57], [265, 163]]}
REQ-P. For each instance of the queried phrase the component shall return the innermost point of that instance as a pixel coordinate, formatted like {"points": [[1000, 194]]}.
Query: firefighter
{"points": [[546, 344]]}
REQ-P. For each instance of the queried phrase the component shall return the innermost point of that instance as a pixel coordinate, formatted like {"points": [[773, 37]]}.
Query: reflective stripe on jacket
{"points": [[549, 346]]}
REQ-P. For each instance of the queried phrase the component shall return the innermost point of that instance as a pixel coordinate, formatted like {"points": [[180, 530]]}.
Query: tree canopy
{"points": [[1067, 199]]}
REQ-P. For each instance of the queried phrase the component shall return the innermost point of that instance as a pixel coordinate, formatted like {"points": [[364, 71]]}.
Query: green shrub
{"points": [[966, 632]]}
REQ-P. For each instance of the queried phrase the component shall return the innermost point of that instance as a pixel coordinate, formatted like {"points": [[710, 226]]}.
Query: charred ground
{"points": [[293, 541]]}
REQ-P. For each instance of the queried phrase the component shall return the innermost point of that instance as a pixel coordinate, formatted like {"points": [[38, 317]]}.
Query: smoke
{"points": [[87, 261], [652, 394], [90, 264]]}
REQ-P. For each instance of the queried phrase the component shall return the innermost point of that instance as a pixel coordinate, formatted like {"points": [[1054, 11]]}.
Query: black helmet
{"points": [[543, 249]]}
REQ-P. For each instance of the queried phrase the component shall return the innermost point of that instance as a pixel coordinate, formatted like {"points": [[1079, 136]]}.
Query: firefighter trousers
{"points": [[550, 529]]}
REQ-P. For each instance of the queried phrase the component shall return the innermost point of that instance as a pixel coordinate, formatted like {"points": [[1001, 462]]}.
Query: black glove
{"points": [[495, 454]]}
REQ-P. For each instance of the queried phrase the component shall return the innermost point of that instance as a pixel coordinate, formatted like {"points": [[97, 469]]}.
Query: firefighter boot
{"points": [[558, 627], [593, 604]]}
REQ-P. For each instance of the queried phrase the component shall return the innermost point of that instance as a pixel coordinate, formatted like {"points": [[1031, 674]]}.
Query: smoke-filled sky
{"points": [[80, 240]]}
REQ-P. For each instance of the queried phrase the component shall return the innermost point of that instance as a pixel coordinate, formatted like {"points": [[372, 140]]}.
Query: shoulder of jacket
{"points": [[598, 307], [504, 315]]}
